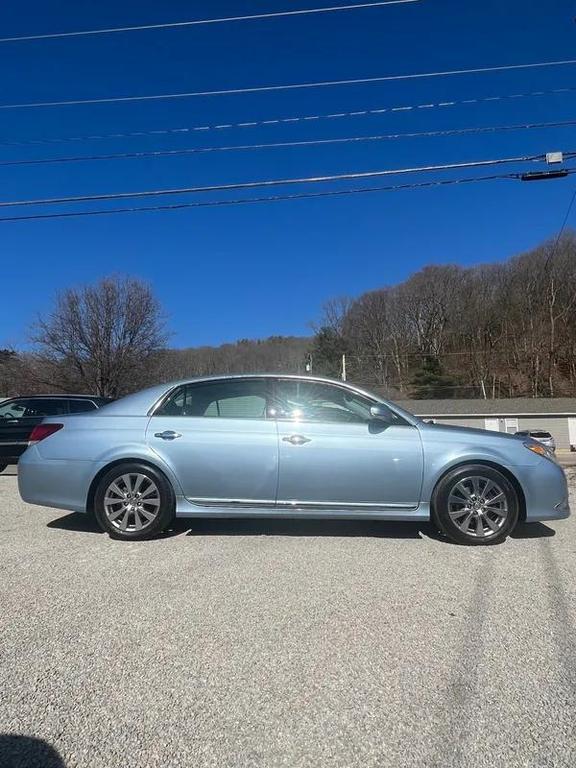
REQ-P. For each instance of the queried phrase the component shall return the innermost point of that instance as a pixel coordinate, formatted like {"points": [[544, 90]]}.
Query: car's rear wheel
{"points": [[475, 504], [133, 501]]}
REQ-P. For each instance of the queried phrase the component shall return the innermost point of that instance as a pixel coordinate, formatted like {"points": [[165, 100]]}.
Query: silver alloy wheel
{"points": [[478, 506], [132, 502]]}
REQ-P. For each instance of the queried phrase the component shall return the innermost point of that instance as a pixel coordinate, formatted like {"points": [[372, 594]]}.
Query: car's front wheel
{"points": [[133, 501], [475, 504]]}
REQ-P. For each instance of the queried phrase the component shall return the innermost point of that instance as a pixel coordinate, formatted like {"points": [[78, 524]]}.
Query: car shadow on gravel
{"points": [[27, 752], [532, 531], [379, 529], [304, 528], [75, 521], [375, 529]]}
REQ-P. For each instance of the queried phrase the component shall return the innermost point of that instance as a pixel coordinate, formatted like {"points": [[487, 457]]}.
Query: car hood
{"points": [[468, 433]]}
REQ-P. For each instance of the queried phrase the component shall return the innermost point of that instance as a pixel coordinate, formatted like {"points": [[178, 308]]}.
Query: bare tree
{"points": [[497, 330], [101, 338]]}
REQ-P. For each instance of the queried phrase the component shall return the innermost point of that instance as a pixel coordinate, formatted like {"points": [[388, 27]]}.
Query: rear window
{"points": [[540, 434]]}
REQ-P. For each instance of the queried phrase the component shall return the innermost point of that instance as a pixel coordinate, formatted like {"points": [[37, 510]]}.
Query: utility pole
{"points": [[343, 367], [308, 363]]}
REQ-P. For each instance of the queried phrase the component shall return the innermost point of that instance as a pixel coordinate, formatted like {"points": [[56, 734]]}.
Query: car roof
{"points": [[56, 397]]}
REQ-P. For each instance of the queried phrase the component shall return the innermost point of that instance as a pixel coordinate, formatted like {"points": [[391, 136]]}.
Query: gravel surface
{"points": [[280, 643]]}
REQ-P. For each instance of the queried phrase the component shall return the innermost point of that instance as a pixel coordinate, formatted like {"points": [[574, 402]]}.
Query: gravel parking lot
{"points": [[279, 643]]}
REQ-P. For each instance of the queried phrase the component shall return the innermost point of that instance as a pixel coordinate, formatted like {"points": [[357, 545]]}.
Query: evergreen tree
{"points": [[430, 382], [327, 351]]}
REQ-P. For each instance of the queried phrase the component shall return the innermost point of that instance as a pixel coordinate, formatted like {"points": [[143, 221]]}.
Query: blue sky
{"points": [[253, 271]]}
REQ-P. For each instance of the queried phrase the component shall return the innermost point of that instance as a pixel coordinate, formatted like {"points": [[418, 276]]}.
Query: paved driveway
{"points": [[242, 643]]}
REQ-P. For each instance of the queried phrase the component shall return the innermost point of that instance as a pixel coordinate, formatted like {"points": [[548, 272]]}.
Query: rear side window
{"points": [[235, 399], [45, 406], [14, 409], [81, 406]]}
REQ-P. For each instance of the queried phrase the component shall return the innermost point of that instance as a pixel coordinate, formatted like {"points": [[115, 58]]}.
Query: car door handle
{"points": [[167, 435], [296, 439]]}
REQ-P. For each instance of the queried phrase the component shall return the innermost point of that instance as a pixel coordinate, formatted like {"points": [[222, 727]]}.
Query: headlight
{"points": [[540, 449]]}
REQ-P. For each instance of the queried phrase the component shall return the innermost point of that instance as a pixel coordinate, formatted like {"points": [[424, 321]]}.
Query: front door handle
{"points": [[296, 439], [167, 435]]}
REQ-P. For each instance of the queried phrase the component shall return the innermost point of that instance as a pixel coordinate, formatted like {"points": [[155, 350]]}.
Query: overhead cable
{"points": [[281, 144], [199, 22], [281, 120], [275, 182], [286, 87], [268, 199]]}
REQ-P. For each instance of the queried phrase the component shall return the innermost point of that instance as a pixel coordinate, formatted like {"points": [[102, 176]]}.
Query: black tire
{"points": [[497, 517], [156, 500], [3, 467]]}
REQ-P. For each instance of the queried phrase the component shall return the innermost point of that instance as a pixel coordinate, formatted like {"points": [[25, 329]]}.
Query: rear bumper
{"points": [[54, 483], [11, 452]]}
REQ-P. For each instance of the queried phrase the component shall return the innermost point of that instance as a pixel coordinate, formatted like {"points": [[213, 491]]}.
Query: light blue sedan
{"points": [[289, 446]]}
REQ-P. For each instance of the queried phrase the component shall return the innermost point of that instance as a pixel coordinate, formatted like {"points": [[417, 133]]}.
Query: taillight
{"points": [[42, 431]]}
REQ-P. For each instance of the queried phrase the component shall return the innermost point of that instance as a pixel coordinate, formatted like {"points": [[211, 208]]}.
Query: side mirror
{"points": [[380, 413]]}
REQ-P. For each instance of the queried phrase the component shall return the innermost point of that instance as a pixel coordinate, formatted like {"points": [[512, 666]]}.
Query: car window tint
{"points": [[81, 406], [45, 407], [543, 435], [315, 401], [12, 410], [237, 399]]}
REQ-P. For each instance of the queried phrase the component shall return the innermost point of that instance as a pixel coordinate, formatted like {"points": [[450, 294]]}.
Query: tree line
{"points": [[494, 330]]}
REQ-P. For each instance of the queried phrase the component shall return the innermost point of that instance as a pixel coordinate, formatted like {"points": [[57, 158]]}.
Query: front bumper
{"points": [[545, 490]]}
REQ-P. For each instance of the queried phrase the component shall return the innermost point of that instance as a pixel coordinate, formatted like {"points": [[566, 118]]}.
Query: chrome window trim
{"points": [[346, 388], [206, 382], [408, 419], [13, 442]]}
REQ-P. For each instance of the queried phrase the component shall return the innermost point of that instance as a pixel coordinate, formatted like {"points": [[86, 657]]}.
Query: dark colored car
{"points": [[19, 416]]}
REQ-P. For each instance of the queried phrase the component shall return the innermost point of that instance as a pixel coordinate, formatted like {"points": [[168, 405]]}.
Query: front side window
{"points": [[234, 399], [297, 400]]}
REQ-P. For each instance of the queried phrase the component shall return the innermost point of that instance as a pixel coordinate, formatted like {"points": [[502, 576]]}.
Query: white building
{"points": [[555, 415]]}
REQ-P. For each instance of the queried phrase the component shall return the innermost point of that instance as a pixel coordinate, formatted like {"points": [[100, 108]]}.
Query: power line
{"points": [[282, 144], [552, 253], [198, 22], [284, 120], [268, 199], [288, 87], [275, 182]]}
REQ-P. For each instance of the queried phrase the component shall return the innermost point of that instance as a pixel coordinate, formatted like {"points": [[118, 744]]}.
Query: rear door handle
{"points": [[167, 435], [296, 439]]}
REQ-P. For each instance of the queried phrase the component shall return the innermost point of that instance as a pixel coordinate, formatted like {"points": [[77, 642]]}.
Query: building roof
{"points": [[519, 406]]}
